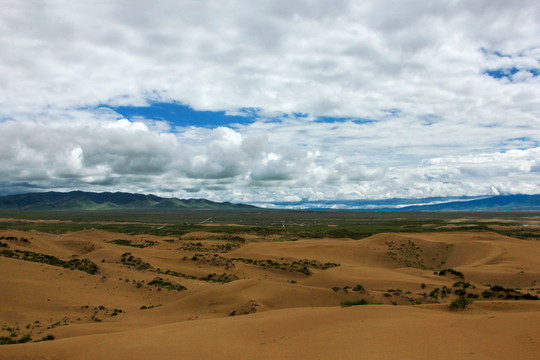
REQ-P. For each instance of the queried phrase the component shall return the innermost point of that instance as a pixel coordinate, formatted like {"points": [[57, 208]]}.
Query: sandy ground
{"points": [[268, 299]]}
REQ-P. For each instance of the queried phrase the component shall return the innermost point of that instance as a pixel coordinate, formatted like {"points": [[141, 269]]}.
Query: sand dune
{"points": [[207, 296], [371, 332]]}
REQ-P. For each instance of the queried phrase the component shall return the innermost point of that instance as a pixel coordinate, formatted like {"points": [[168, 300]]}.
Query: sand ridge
{"points": [[196, 295]]}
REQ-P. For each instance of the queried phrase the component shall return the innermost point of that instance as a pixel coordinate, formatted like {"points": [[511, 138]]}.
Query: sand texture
{"points": [[217, 296]]}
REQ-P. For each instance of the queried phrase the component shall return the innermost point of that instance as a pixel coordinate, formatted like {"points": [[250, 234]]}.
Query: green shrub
{"points": [[460, 292], [348, 303], [48, 338], [453, 272], [161, 283], [528, 296], [459, 304]]}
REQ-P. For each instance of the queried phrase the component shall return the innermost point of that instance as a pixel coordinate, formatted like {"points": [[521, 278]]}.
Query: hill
{"points": [[81, 200], [491, 203], [463, 203]]}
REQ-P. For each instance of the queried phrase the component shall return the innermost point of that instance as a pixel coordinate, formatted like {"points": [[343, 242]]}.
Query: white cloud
{"points": [[420, 70]]}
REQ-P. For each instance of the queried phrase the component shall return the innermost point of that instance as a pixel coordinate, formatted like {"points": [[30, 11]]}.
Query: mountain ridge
{"points": [[518, 202], [107, 201], [82, 200]]}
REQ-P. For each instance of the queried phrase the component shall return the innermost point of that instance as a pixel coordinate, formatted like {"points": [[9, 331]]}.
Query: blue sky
{"points": [[271, 101], [181, 115]]}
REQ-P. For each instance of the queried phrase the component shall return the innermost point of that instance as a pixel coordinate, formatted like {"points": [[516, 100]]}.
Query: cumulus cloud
{"points": [[437, 98]]}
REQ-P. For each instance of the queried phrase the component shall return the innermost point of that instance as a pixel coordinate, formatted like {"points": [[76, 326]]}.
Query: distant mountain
{"points": [[464, 203], [491, 203], [80, 200]]}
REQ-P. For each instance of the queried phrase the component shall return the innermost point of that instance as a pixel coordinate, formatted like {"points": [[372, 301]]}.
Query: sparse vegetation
{"points": [[153, 271], [77, 264], [348, 303], [161, 283], [141, 244], [497, 291], [459, 304], [130, 260], [452, 272], [47, 338], [9, 340]]}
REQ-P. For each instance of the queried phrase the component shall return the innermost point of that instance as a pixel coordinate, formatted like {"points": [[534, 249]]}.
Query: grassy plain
{"points": [[269, 284]]}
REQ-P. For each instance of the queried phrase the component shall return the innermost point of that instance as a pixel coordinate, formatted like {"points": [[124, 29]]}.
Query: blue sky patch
{"points": [[331, 120], [502, 73], [183, 115], [509, 72]]}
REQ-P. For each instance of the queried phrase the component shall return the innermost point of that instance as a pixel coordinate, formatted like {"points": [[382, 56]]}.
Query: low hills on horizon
{"points": [[107, 201]]}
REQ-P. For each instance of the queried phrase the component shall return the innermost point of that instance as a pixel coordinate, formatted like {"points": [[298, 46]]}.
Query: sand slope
{"points": [[369, 332], [268, 299]]}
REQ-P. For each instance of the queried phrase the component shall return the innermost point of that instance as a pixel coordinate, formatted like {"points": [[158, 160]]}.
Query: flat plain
{"points": [[262, 285]]}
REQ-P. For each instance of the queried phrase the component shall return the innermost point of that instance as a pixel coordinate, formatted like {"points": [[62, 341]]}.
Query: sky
{"points": [[271, 100]]}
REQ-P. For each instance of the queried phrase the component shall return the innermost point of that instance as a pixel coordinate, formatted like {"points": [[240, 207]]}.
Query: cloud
{"points": [[433, 98]]}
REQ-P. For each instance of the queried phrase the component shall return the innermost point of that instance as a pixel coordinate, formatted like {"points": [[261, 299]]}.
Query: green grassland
{"points": [[294, 224]]}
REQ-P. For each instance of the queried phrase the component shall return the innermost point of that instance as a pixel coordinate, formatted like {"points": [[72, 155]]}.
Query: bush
{"points": [[48, 338], [528, 296], [459, 304], [358, 288], [348, 303], [453, 272]]}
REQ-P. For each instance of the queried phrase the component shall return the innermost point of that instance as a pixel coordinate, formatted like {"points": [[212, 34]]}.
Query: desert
{"points": [[79, 290]]}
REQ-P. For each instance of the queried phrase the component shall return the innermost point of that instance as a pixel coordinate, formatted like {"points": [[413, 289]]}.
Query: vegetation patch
{"points": [[9, 340], [78, 264], [497, 291], [445, 272], [217, 248], [14, 238], [47, 338], [459, 304], [165, 284], [145, 243], [409, 254], [348, 303], [130, 260], [301, 266]]}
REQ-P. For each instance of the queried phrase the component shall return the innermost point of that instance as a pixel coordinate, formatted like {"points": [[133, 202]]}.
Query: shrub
{"points": [[161, 283], [358, 288], [48, 338], [453, 272], [348, 303], [528, 296], [459, 304]]}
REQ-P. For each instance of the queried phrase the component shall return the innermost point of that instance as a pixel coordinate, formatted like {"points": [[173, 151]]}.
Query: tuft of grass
{"points": [[459, 304], [348, 303]]}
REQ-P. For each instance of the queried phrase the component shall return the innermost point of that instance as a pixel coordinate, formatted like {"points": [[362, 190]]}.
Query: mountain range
{"points": [[464, 203], [80, 200]]}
